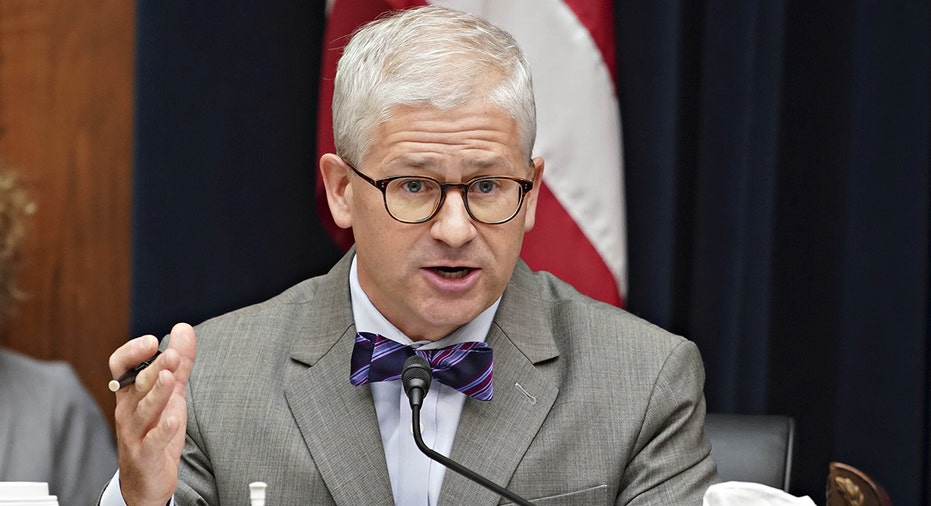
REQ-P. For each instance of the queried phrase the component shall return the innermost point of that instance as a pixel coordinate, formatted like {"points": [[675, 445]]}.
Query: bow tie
{"points": [[463, 366]]}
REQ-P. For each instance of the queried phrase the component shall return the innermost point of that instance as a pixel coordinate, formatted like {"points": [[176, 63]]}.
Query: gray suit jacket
{"points": [[592, 406], [52, 430]]}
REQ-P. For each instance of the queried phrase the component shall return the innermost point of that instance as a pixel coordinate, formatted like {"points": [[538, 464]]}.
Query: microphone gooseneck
{"points": [[416, 377]]}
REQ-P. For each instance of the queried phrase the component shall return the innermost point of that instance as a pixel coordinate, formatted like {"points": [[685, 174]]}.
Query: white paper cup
{"points": [[26, 493]]}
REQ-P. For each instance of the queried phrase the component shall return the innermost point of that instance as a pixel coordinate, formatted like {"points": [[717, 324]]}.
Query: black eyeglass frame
{"points": [[526, 185]]}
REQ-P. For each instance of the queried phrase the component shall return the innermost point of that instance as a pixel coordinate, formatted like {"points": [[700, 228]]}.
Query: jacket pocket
{"points": [[594, 495]]}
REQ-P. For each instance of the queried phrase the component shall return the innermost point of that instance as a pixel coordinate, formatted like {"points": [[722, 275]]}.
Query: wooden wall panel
{"points": [[66, 88]]}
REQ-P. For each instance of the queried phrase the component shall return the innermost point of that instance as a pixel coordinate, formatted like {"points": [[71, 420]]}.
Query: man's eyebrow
{"points": [[432, 165], [483, 164], [413, 163]]}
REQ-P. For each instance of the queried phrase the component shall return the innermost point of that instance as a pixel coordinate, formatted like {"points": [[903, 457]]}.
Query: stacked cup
{"points": [[26, 493]]}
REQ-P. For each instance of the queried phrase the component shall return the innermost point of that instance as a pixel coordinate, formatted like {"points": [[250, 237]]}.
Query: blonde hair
{"points": [[15, 208]]}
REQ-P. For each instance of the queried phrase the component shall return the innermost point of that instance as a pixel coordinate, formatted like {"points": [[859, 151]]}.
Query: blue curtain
{"points": [[778, 184], [777, 169], [223, 209]]}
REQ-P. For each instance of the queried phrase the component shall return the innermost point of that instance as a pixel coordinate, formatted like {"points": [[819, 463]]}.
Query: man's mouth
{"points": [[452, 272]]}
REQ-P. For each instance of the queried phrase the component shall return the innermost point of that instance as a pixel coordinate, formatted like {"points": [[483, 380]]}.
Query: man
{"points": [[434, 126]]}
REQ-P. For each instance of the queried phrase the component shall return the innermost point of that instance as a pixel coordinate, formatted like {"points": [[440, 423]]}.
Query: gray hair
{"points": [[431, 56]]}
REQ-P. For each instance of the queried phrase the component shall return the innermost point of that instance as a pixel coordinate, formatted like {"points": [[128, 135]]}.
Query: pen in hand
{"points": [[130, 376]]}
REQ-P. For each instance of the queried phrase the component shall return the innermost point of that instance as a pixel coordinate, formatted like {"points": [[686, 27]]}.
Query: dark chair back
{"points": [[754, 448]]}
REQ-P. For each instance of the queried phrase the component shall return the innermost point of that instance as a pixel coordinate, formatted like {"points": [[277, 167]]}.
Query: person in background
{"points": [[571, 401], [51, 429]]}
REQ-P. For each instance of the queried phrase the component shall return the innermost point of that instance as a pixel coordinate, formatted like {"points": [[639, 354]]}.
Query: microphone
{"points": [[416, 378]]}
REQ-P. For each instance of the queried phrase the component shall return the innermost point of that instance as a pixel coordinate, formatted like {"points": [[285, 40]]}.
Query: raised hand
{"points": [[151, 415]]}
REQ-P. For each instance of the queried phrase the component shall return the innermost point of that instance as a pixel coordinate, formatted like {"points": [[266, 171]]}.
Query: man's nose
{"points": [[452, 223]]}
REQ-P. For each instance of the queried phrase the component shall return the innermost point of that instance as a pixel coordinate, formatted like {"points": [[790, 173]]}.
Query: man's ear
{"points": [[530, 200], [335, 174]]}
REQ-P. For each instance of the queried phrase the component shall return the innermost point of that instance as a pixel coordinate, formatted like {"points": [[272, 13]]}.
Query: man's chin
{"points": [[442, 319]]}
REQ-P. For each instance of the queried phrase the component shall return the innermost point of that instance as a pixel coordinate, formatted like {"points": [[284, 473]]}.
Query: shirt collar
{"points": [[368, 319]]}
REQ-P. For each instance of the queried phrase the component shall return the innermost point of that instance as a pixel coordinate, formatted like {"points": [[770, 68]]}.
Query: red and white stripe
{"points": [[580, 233]]}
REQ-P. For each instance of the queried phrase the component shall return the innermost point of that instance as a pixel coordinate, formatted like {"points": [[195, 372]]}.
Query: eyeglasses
{"points": [[492, 200]]}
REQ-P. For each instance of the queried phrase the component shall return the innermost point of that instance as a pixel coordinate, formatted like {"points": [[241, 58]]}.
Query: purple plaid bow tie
{"points": [[464, 366]]}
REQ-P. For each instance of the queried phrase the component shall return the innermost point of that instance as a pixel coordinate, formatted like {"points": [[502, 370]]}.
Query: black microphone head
{"points": [[416, 374]]}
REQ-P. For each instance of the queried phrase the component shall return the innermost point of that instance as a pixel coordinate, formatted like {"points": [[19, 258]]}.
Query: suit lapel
{"points": [[493, 436], [337, 420], [341, 428]]}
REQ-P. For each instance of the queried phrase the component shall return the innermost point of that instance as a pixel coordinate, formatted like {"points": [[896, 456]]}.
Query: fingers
{"points": [[131, 354], [184, 342], [169, 432], [150, 409], [178, 357], [146, 405]]}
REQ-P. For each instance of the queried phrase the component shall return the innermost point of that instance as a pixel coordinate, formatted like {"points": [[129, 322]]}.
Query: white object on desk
{"points": [[26, 493], [257, 493], [739, 493]]}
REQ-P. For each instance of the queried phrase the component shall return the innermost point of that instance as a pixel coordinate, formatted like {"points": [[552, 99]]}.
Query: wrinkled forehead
{"points": [[476, 133]]}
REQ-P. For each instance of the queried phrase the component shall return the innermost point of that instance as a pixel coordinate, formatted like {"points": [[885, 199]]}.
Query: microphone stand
{"points": [[455, 466]]}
